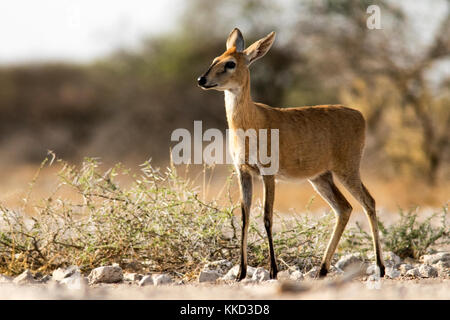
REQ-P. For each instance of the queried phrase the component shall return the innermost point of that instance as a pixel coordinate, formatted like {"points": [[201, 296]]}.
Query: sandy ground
{"points": [[307, 289]]}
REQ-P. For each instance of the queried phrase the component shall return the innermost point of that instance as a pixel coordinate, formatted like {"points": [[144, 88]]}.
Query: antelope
{"points": [[316, 143]]}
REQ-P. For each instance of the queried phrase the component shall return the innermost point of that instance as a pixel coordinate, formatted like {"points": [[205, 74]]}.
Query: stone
{"points": [[45, 279], [414, 273], [435, 258], [404, 268], [5, 279], [208, 276], [442, 268], [391, 259], [75, 282], [162, 279], [233, 272], [296, 276], [146, 281], [260, 275], [106, 274], [283, 275], [132, 277], [348, 261], [313, 273], [25, 277], [62, 273], [373, 269], [334, 269], [220, 266], [392, 273], [427, 271]]}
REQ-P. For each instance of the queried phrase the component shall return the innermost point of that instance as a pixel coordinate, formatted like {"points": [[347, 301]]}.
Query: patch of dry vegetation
{"points": [[159, 223]]}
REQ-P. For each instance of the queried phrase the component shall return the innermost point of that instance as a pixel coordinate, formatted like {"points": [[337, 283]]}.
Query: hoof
{"points": [[273, 274], [323, 272], [241, 276], [382, 271]]}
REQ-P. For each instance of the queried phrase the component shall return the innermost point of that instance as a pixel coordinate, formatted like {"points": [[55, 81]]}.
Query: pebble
{"points": [[261, 275], [106, 274], [415, 273], [392, 273], [435, 258], [5, 279], [233, 272], [220, 266], [61, 273], [349, 260], [146, 281], [25, 277], [296, 276], [208, 276], [427, 271], [132, 277], [162, 279], [405, 267]]}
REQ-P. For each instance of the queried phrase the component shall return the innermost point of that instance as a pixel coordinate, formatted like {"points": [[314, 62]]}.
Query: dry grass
{"points": [[159, 221]]}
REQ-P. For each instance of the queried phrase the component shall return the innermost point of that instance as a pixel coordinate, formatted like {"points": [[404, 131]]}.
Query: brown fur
{"points": [[315, 143]]}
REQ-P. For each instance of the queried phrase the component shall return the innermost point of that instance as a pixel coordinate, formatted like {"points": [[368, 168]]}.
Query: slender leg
{"points": [[269, 196], [245, 183], [354, 185], [325, 186]]}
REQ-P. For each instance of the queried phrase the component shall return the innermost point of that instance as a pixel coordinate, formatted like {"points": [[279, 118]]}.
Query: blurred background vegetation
{"points": [[124, 106]]}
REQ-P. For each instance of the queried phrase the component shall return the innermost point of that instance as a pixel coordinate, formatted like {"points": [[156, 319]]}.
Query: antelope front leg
{"points": [[269, 196], [245, 183]]}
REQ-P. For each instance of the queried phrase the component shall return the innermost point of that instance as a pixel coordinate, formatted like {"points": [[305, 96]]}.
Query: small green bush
{"points": [[411, 238]]}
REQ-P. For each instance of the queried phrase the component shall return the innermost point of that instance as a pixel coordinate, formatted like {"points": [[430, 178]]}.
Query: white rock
{"points": [[5, 279], [45, 279], [133, 277], [220, 266], [75, 281], [296, 276], [349, 260], [162, 279], [391, 259], [62, 273], [313, 273], [25, 277], [283, 275], [336, 270], [106, 274], [392, 273], [373, 269], [435, 258], [261, 275], [233, 272], [405, 267], [208, 276], [415, 273], [443, 268], [427, 271], [146, 281]]}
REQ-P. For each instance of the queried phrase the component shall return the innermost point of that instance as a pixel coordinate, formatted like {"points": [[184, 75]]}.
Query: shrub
{"points": [[158, 223]]}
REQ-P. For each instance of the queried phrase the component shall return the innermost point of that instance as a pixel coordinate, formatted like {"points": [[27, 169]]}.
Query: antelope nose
{"points": [[201, 81]]}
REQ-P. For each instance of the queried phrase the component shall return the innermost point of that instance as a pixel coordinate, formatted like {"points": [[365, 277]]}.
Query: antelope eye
{"points": [[230, 65]]}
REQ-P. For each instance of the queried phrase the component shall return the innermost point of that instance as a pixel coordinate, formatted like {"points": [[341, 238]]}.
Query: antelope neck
{"points": [[239, 106]]}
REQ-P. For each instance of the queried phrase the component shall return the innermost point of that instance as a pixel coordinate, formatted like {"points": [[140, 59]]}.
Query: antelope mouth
{"points": [[209, 87]]}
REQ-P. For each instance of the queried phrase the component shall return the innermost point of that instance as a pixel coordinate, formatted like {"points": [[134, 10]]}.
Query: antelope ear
{"points": [[235, 39], [259, 48]]}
